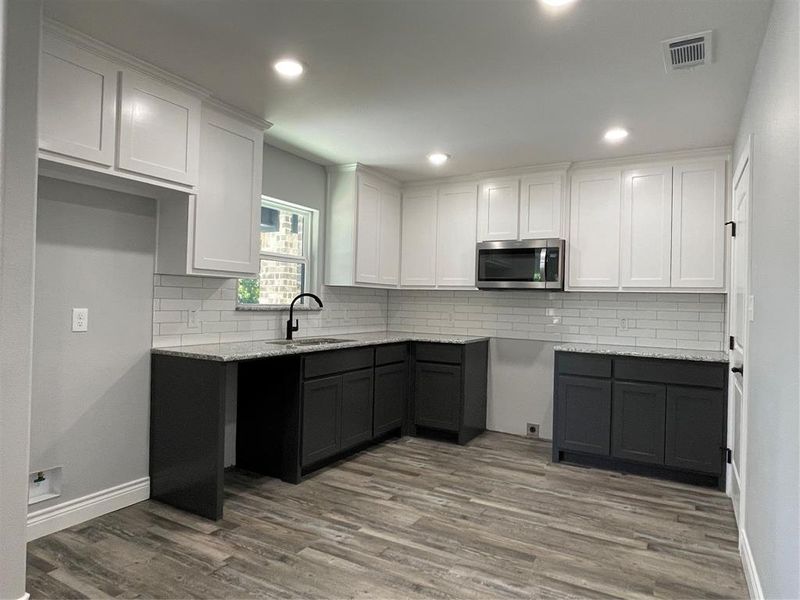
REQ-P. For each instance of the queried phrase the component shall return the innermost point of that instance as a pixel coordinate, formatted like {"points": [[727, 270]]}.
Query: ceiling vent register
{"points": [[687, 51]]}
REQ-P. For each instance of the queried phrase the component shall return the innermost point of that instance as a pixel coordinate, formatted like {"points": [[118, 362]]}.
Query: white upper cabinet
{"points": [[646, 228], [77, 102], [698, 225], [228, 207], [419, 238], [594, 229], [541, 200], [498, 210], [456, 235], [159, 131], [363, 230]]}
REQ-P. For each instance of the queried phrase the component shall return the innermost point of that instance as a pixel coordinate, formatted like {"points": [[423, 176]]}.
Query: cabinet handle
{"points": [[738, 370]]}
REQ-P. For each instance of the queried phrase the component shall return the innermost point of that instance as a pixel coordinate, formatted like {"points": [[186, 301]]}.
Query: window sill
{"points": [[275, 308]]}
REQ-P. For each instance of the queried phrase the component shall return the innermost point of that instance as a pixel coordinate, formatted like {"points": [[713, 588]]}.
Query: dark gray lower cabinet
{"points": [[391, 382], [437, 396], [356, 408], [638, 421], [695, 428], [322, 400], [651, 416], [585, 409]]}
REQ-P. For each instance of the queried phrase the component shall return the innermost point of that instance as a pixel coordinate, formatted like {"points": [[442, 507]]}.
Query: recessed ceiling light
{"points": [[615, 134], [557, 3], [289, 68], [438, 158]]}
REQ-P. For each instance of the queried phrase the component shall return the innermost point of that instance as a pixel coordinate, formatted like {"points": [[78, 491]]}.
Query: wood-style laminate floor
{"points": [[412, 518]]}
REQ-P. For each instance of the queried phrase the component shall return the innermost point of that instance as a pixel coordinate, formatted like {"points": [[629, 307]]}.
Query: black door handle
{"points": [[737, 370]]}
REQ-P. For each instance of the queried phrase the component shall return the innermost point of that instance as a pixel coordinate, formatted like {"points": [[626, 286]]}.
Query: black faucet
{"points": [[290, 328]]}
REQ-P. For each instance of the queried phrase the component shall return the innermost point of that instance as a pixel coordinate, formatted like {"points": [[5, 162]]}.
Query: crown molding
{"points": [[115, 55], [493, 174], [657, 157], [362, 168]]}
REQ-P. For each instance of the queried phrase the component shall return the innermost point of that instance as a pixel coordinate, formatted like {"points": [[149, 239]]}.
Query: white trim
{"points": [[55, 518], [750, 572], [26, 596]]}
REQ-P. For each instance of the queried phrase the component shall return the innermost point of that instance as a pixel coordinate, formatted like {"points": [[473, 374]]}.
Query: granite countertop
{"points": [[670, 353], [234, 351]]}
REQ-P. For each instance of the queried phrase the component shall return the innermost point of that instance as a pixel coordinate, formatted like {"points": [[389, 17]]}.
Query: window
{"points": [[286, 235]]}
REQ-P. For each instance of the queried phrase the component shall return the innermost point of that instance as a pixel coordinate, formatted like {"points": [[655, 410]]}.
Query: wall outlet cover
{"points": [[80, 319], [44, 484], [532, 430]]}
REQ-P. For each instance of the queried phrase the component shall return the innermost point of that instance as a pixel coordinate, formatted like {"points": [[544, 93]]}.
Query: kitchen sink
{"points": [[308, 342]]}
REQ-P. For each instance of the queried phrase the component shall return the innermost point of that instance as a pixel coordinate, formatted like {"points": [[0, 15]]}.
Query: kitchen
{"points": [[516, 321]]}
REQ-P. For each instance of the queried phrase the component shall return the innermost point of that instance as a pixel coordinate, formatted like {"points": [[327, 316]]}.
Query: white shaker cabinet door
{"points": [[389, 255], [77, 102], [698, 225], [594, 229], [228, 206], [159, 130], [456, 236], [368, 223], [646, 234], [498, 210], [541, 199], [418, 247]]}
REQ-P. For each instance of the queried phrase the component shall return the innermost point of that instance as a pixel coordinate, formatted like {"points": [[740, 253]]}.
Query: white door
{"points": [[228, 207], [77, 102], [159, 130], [541, 199], [698, 229], [389, 255], [594, 229], [368, 220], [646, 228], [498, 210], [455, 236], [418, 245], [739, 328]]}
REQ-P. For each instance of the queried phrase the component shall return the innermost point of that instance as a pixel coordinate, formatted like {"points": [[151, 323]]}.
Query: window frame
{"points": [[307, 258]]}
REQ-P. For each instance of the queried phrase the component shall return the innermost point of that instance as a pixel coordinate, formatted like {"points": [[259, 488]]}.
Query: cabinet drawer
{"points": [[588, 365], [679, 372], [337, 361], [393, 353], [441, 353]]}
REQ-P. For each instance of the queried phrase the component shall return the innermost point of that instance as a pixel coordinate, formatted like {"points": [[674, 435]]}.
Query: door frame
{"points": [[743, 162]]}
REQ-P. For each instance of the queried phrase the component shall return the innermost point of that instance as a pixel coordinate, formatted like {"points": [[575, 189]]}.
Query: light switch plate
{"points": [[80, 319]]}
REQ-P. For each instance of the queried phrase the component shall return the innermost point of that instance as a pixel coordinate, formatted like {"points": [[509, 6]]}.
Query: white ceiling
{"points": [[494, 83]]}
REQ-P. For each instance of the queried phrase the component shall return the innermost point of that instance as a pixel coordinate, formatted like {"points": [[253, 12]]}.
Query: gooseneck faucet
{"points": [[292, 324]]}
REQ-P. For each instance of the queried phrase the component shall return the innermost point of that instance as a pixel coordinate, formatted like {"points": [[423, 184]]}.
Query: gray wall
{"points": [[91, 391], [772, 501], [19, 66]]}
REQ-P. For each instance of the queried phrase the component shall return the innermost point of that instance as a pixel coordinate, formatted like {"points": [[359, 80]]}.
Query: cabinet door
{"points": [[389, 255], [541, 199], [594, 230], [695, 422], [698, 225], [356, 413], [368, 221], [437, 396], [227, 210], [498, 210], [159, 132], [390, 397], [584, 414], [418, 259], [638, 422], [322, 400], [646, 236], [77, 102], [455, 236]]}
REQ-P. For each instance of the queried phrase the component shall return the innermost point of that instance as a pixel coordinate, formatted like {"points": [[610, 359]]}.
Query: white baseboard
{"points": [[749, 566], [55, 518], [27, 596]]}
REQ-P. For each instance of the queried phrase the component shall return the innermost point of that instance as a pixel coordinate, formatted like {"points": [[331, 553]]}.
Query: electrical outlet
{"points": [[44, 485], [80, 319], [532, 431], [623, 324], [193, 322]]}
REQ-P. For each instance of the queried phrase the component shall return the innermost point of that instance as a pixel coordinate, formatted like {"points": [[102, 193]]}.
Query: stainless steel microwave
{"points": [[527, 264]]}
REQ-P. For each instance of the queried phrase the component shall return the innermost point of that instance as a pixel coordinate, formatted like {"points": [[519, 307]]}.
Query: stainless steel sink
{"points": [[308, 342]]}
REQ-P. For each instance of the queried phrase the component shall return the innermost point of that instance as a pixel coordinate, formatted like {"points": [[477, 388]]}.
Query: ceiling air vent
{"points": [[687, 51]]}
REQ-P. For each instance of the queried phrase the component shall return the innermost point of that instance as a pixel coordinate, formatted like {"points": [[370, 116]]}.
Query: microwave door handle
{"points": [[548, 283], [543, 266]]}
